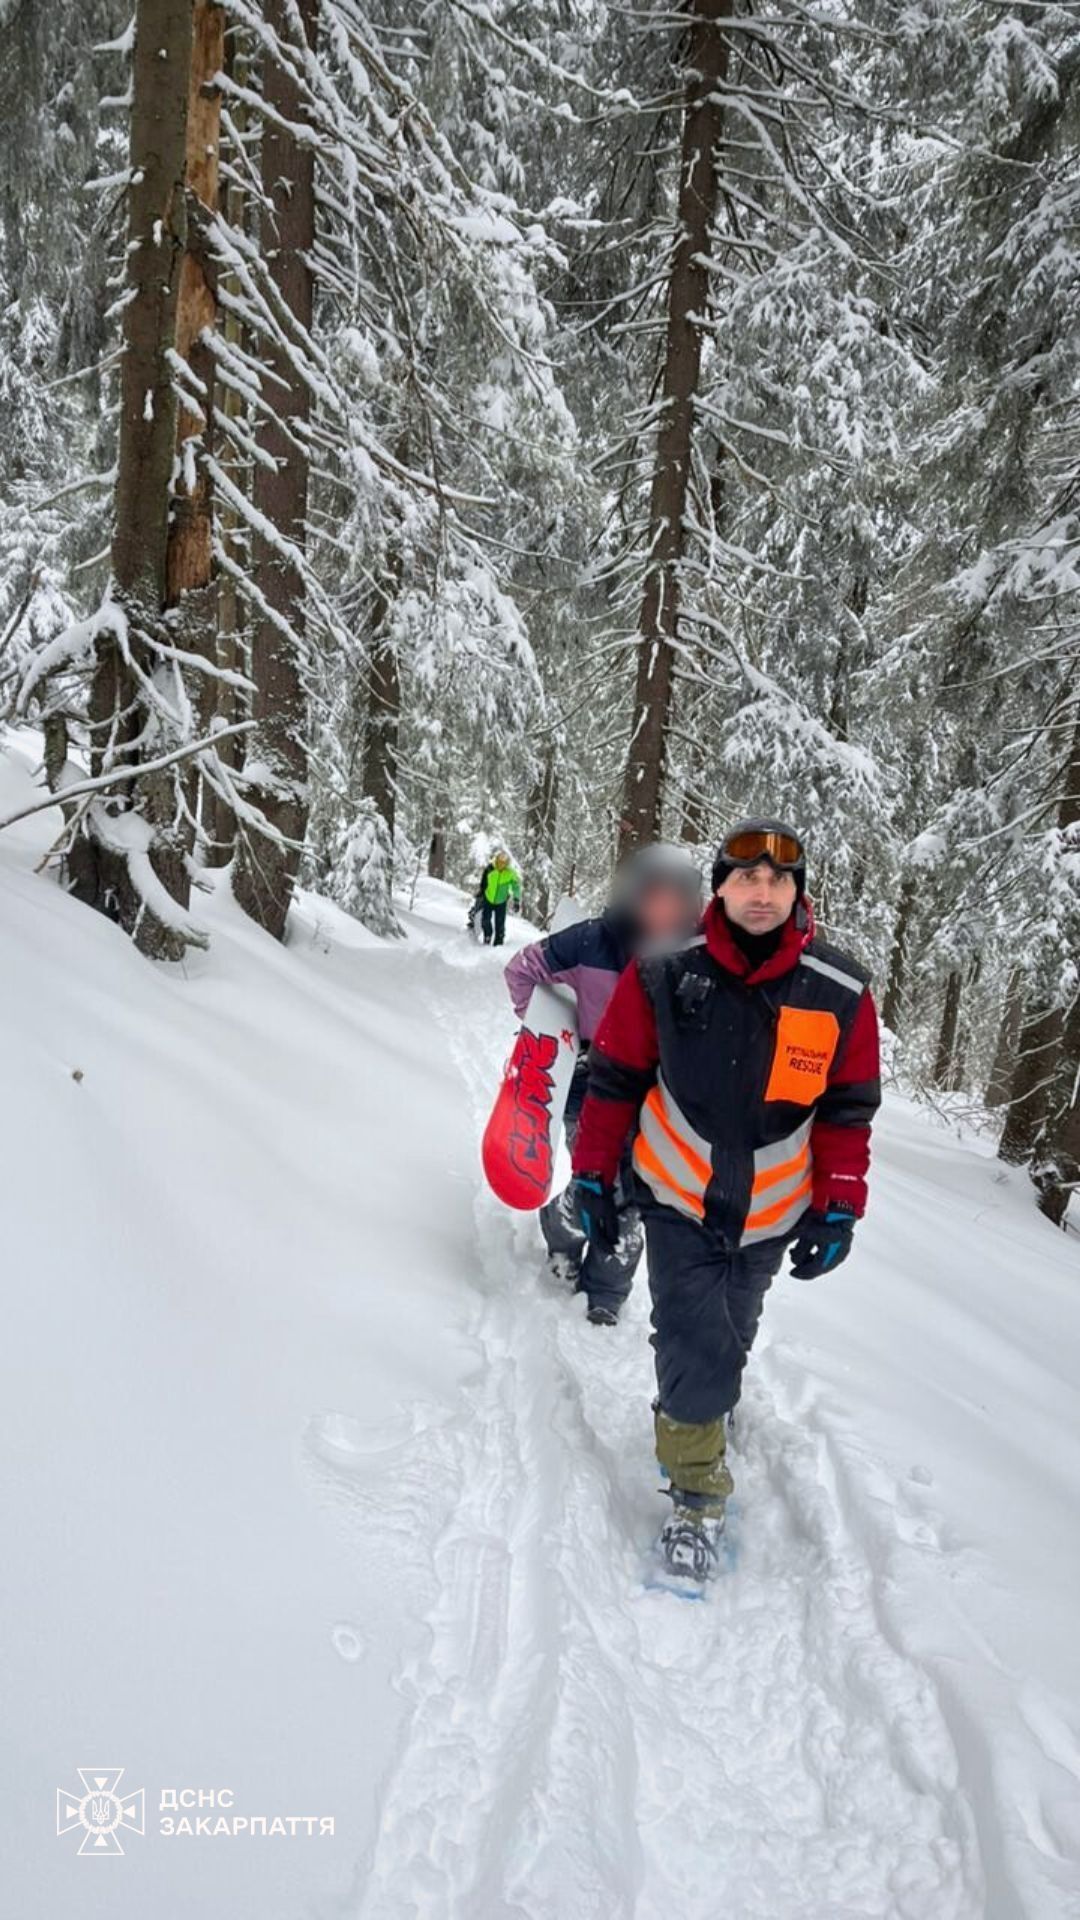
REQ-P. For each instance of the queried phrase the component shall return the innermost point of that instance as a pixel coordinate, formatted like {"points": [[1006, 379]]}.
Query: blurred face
{"points": [[758, 899], [664, 912]]}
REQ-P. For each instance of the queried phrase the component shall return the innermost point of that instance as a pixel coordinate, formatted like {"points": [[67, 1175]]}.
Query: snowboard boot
{"points": [[690, 1545], [599, 1316], [564, 1268]]}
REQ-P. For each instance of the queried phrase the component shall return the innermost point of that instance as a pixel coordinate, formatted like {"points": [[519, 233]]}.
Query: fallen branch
{"points": [[133, 771]]}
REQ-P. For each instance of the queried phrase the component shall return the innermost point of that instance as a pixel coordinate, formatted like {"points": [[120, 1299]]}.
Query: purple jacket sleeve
{"points": [[527, 969]]}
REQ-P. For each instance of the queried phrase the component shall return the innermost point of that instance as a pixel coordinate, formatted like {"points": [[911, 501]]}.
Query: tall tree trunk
{"points": [[189, 554], [1008, 1041], [688, 300], [190, 585], [892, 1008], [540, 833], [436, 860], [382, 720], [157, 237], [267, 865], [1040, 1039], [1040, 1123], [1056, 1172], [1057, 1153], [218, 819], [945, 1060]]}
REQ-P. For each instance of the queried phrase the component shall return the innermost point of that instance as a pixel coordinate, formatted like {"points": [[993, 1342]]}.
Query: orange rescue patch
{"points": [[805, 1044]]}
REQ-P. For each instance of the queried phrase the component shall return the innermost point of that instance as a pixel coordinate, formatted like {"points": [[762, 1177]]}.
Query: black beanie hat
{"points": [[722, 867]]}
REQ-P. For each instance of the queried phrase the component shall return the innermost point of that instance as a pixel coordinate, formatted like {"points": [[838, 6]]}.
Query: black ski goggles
{"points": [[746, 848]]}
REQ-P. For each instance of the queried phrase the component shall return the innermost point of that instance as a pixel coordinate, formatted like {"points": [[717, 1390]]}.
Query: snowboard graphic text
{"points": [[531, 1149]]}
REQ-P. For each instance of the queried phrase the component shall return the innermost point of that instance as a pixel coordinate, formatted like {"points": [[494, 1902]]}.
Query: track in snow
{"points": [[576, 1748]]}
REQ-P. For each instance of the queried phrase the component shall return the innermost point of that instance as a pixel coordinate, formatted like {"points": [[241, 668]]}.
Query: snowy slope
{"points": [[317, 1492]]}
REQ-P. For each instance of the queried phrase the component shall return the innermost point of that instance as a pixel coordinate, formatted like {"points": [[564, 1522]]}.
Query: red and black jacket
{"points": [[754, 1088]]}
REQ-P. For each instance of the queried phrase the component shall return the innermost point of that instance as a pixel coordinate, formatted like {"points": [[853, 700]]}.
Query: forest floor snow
{"points": [[319, 1492]]}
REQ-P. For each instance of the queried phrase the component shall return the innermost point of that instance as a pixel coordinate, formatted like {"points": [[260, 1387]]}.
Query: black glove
{"points": [[823, 1240], [594, 1204]]}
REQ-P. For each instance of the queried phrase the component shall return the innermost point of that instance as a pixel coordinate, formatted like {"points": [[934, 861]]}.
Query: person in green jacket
{"points": [[503, 884]]}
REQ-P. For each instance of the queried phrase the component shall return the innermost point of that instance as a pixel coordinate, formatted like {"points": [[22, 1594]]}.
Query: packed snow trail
{"points": [[579, 1747]]}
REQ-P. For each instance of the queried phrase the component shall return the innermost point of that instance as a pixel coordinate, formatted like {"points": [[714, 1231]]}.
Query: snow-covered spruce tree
{"points": [[990, 576], [530, 97], [443, 340], [792, 424], [417, 278], [55, 438], [362, 871], [758, 533]]}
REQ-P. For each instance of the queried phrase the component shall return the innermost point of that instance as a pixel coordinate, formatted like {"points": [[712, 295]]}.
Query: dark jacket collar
{"points": [[795, 935]]}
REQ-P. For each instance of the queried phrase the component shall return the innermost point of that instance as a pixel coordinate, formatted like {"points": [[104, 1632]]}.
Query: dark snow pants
{"points": [[606, 1274], [493, 917], [707, 1300]]}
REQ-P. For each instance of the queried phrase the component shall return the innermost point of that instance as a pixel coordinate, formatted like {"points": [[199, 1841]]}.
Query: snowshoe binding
{"points": [[689, 1552]]}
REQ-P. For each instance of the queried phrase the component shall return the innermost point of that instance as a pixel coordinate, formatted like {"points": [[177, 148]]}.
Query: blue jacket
{"points": [[588, 957]]}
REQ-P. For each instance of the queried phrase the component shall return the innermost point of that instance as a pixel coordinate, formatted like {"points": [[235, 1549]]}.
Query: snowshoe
{"points": [[689, 1552]]}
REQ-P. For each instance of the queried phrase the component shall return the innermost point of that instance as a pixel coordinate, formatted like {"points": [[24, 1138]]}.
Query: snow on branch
{"points": [[123, 774]]}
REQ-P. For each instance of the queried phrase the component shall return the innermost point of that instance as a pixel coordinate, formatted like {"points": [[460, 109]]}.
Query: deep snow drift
{"points": [[317, 1492]]}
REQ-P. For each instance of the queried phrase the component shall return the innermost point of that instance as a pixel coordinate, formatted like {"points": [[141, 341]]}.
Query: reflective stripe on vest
{"points": [[671, 1156], [780, 1194], [675, 1162]]}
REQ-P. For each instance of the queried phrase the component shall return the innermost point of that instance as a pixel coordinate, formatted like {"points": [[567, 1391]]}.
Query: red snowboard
{"points": [[521, 1138]]}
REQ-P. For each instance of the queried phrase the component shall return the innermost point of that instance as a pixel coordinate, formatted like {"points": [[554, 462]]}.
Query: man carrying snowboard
{"points": [[748, 1062], [655, 903]]}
